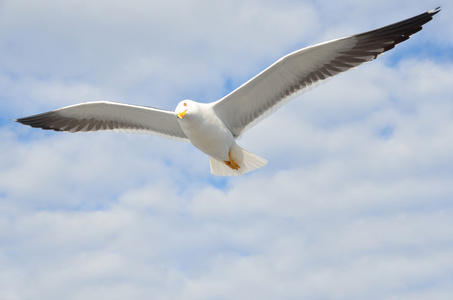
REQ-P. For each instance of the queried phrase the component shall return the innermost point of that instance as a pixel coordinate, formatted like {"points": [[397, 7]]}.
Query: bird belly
{"points": [[210, 136]]}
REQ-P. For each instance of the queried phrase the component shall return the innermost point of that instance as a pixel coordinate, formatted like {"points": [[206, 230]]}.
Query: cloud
{"points": [[355, 200]]}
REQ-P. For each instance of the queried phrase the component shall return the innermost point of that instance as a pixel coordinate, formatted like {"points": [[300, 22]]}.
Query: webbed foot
{"points": [[231, 163]]}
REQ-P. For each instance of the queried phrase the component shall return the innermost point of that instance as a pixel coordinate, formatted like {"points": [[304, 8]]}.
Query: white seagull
{"points": [[214, 127]]}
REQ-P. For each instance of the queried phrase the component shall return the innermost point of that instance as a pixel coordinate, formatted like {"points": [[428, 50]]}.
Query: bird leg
{"points": [[231, 163]]}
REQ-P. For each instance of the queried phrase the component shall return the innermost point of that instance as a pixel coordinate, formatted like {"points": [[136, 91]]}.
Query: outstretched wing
{"points": [[94, 116], [298, 71]]}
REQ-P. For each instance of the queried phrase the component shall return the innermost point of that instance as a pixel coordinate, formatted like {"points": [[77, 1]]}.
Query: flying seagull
{"points": [[213, 127]]}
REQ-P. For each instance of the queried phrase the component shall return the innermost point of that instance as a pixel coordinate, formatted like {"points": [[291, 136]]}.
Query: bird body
{"points": [[208, 133], [205, 130], [214, 127]]}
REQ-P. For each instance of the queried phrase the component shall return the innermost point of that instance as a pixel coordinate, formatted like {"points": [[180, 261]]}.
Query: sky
{"points": [[356, 201]]}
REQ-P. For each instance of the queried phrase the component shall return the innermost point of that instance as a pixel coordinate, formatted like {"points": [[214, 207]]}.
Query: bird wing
{"points": [[294, 73], [105, 115]]}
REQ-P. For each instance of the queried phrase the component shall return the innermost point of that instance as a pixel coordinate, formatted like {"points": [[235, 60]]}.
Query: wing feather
{"points": [[295, 73], [105, 115]]}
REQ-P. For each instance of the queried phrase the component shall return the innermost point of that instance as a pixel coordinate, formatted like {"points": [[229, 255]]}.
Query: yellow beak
{"points": [[181, 115]]}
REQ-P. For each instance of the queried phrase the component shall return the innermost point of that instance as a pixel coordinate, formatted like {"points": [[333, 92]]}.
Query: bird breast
{"points": [[208, 133]]}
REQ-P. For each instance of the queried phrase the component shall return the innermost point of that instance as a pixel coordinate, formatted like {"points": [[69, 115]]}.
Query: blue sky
{"points": [[355, 203]]}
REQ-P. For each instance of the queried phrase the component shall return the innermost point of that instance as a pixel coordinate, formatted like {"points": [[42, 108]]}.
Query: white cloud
{"points": [[355, 200]]}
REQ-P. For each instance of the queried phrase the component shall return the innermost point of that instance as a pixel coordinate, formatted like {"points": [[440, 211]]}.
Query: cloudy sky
{"points": [[355, 203]]}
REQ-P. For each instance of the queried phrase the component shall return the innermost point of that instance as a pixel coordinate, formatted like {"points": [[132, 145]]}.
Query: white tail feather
{"points": [[246, 160]]}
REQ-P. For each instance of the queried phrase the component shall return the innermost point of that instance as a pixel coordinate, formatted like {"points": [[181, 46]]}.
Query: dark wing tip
{"points": [[434, 11], [43, 121], [377, 41]]}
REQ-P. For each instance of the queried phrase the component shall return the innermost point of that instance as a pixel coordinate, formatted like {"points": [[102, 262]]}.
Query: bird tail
{"points": [[247, 162]]}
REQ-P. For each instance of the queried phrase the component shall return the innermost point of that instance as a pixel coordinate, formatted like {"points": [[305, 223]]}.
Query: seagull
{"points": [[214, 127]]}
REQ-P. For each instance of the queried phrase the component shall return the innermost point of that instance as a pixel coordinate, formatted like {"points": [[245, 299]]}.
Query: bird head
{"points": [[182, 108]]}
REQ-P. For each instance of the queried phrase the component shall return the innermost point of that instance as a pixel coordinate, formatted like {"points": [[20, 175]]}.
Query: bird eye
{"points": [[185, 104]]}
